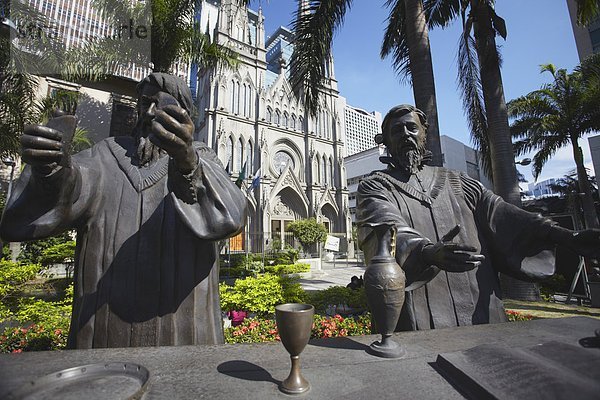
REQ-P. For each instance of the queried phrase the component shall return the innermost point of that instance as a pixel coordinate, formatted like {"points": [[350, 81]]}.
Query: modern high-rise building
{"points": [[259, 127], [587, 38], [361, 127], [594, 142]]}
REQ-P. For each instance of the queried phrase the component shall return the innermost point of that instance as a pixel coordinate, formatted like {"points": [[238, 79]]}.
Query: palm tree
{"points": [[568, 187], [406, 40], [481, 87], [480, 81], [175, 35], [17, 86], [558, 115]]}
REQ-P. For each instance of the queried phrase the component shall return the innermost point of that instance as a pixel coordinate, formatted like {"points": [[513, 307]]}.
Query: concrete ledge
{"points": [[338, 368]]}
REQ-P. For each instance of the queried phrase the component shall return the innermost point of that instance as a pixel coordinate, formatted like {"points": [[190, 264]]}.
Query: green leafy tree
{"points": [[308, 232], [406, 40], [58, 253], [33, 252], [558, 115]]}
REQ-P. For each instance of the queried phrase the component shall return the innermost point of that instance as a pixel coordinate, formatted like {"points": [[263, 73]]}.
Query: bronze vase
{"points": [[294, 323], [384, 287]]}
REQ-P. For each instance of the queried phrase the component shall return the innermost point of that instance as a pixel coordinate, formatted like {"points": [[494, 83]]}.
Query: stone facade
{"points": [[251, 117]]}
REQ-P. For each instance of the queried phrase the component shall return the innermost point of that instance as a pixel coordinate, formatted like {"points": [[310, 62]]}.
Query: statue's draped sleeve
{"points": [[518, 240], [206, 200], [43, 205]]}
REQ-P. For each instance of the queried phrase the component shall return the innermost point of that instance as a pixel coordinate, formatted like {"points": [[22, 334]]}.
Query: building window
{"points": [[285, 119], [238, 155], [294, 122], [277, 117], [249, 159], [269, 115], [229, 154], [232, 94], [301, 123]]}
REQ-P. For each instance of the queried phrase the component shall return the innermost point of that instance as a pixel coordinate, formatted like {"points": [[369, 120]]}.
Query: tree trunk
{"points": [[587, 201], [501, 150], [421, 69], [499, 139]]}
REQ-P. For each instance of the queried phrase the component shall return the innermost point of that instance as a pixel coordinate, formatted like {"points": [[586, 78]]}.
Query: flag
{"points": [[241, 177], [255, 180]]}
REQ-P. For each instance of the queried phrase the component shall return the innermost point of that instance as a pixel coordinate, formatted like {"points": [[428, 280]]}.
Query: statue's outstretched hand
{"points": [[450, 256], [586, 243], [172, 131], [43, 147]]}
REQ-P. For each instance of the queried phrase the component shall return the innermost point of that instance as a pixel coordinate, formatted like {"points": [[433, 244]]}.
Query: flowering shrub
{"points": [[44, 325], [336, 326], [517, 316], [257, 330], [252, 330], [32, 338]]}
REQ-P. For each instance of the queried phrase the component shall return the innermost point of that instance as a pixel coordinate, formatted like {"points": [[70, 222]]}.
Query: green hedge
{"points": [[260, 294], [338, 295], [283, 269]]}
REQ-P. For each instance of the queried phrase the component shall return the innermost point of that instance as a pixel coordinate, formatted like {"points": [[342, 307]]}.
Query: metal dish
{"points": [[93, 381]]}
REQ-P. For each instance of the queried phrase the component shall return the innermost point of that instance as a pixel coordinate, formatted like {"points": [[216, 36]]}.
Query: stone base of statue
{"points": [[386, 348]]}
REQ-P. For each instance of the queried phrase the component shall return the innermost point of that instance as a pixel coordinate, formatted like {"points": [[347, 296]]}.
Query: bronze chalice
{"points": [[294, 323]]}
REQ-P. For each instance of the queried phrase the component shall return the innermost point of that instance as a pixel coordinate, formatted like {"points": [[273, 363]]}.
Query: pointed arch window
{"points": [[293, 124], [331, 172], [249, 159], [228, 155], [232, 95], [301, 123], [323, 170], [237, 97], [269, 114], [318, 170], [277, 117], [245, 101], [238, 155], [285, 119]]}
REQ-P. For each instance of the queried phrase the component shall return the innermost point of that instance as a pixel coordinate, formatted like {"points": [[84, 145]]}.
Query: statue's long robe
{"points": [[146, 259], [423, 212]]}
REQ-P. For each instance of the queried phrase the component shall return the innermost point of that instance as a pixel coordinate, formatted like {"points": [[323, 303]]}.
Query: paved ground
{"points": [[336, 273]]}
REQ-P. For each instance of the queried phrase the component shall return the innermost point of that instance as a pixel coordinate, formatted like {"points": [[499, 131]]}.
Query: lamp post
{"points": [[9, 162], [524, 162]]}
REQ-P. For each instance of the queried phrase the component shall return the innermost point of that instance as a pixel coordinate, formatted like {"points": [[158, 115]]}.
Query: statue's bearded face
{"points": [[149, 100], [405, 139]]}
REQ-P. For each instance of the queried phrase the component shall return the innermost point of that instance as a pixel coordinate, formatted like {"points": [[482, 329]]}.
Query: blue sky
{"points": [[539, 32]]}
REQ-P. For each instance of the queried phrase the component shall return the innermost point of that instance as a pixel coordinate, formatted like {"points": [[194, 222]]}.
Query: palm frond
{"points": [[469, 83], [314, 27], [441, 12], [587, 11], [394, 40]]}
